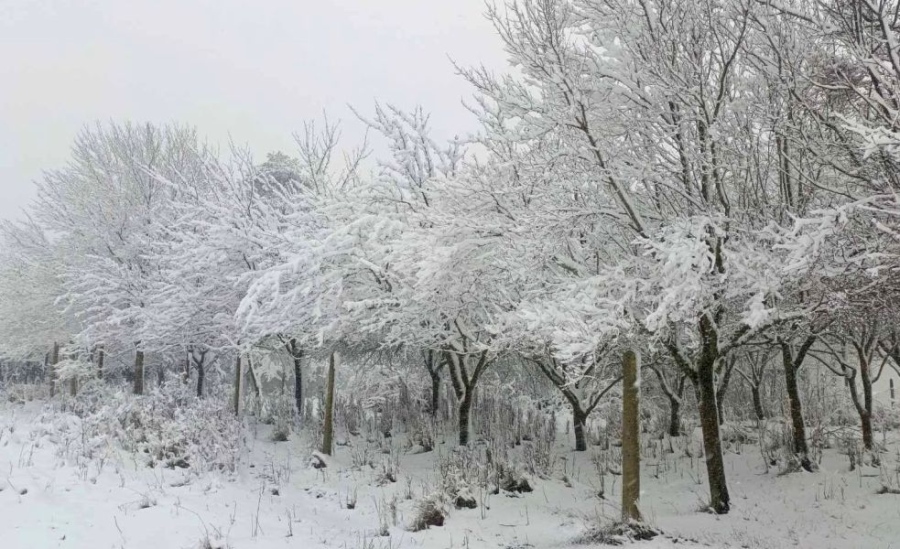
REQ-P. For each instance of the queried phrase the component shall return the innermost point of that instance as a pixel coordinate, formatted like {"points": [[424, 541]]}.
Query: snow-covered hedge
{"points": [[169, 426]]}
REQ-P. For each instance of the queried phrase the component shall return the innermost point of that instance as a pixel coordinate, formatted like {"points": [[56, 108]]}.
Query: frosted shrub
{"points": [[169, 426]]}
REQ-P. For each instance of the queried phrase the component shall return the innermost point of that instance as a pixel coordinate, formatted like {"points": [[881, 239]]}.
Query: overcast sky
{"points": [[251, 70]]}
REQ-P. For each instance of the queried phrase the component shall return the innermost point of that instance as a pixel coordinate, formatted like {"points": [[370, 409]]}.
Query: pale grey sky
{"points": [[251, 70]]}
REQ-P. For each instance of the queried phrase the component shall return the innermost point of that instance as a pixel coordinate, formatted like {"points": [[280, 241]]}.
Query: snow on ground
{"points": [[49, 499]]}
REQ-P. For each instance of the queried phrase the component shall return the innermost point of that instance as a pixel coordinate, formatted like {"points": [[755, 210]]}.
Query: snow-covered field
{"points": [[277, 499]]}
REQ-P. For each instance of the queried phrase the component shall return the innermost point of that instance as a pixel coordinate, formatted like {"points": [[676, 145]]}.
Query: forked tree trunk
{"points": [[328, 427], [791, 365], [464, 385], [138, 388], [631, 438], [582, 405], [236, 398]]}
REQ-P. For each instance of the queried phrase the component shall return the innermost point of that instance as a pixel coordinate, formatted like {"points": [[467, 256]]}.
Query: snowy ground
{"points": [[278, 500]]}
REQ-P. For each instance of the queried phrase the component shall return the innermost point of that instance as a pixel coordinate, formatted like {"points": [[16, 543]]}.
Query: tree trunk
{"points": [[201, 375], [866, 420], [138, 372], [465, 409], [254, 386], [54, 358], [435, 392], [236, 399], [73, 387], [720, 501], [579, 420], [297, 355], [328, 427], [674, 418], [631, 438], [757, 403], [796, 410], [100, 359], [722, 389]]}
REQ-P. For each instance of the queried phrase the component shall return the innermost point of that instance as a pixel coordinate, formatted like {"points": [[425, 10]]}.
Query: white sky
{"points": [[251, 70]]}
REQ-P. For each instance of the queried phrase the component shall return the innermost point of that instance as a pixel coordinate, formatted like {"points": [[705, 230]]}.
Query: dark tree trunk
{"points": [[720, 501], [674, 418], [722, 388], [579, 419], [465, 409], [790, 366], [138, 388], [201, 376], [54, 358], [100, 359], [433, 366], [757, 403], [866, 420], [464, 384], [297, 356], [236, 399], [298, 387], [435, 393], [328, 427]]}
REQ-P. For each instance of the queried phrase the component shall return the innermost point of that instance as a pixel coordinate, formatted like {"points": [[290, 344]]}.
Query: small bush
{"points": [[429, 512]]}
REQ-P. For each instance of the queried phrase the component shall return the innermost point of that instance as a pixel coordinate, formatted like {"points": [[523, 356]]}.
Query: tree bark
{"points": [[328, 427], [722, 388], [866, 420], [201, 375], [54, 358], [101, 355], [791, 365], [579, 420], [757, 403], [465, 409], [674, 418], [433, 366], [138, 388], [631, 438], [464, 385], [720, 501], [298, 386], [435, 393], [236, 398], [254, 386]]}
